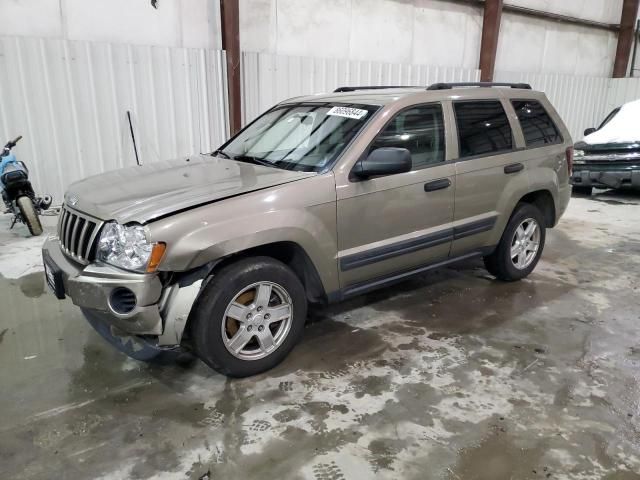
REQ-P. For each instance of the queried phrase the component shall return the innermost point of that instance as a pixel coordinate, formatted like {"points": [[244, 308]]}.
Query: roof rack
{"points": [[377, 87], [446, 86], [437, 86]]}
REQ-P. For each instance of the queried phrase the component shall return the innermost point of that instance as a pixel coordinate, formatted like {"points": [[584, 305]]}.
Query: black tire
{"points": [[583, 191], [207, 315], [29, 215], [499, 263], [185, 360]]}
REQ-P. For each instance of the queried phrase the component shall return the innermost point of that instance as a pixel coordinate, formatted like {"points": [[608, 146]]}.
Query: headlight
{"points": [[126, 246], [578, 157]]}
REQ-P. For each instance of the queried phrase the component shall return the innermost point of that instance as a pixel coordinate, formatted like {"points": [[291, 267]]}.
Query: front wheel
{"points": [[248, 317], [29, 215], [521, 245]]}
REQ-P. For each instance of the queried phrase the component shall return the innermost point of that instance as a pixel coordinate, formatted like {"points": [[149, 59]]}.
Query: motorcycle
{"points": [[17, 192]]}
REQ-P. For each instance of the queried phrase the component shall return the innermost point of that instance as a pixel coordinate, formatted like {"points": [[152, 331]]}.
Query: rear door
{"points": [[490, 172]]}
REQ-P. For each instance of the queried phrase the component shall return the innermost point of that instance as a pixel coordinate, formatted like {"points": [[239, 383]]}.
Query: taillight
{"points": [[569, 155]]}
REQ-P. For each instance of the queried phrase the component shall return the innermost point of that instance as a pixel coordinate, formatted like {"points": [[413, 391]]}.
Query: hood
{"points": [[623, 130], [141, 194]]}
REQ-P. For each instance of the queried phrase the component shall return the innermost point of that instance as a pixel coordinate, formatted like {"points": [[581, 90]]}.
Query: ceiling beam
{"points": [[230, 23], [490, 34], [625, 37], [543, 15], [557, 17]]}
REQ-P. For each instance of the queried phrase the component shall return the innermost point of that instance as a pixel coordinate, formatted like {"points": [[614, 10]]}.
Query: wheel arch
{"points": [[543, 200], [291, 254]]}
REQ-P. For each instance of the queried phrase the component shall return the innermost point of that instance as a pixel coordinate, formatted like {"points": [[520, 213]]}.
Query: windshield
{"points": [[306, 137]]}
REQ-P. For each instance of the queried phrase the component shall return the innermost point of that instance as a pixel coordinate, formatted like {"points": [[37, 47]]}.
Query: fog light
{"points": [[122, 300]]}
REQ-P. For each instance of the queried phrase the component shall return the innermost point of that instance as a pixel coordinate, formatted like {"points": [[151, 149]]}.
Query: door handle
{"points": [[437, 185], [513, 168]]}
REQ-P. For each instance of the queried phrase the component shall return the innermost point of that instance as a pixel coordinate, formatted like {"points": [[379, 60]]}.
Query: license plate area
{"points": [[53, 276]]}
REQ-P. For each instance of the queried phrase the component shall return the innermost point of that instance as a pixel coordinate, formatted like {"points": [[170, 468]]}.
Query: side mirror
{"points": [[589, 131], [384, 161]]}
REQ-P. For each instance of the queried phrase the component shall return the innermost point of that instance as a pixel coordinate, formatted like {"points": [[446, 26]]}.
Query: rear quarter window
{"points": [[483, 128], [537, 127]]}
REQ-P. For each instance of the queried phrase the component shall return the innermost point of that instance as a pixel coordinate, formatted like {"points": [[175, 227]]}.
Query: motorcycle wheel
{"points": [[29, 215]]}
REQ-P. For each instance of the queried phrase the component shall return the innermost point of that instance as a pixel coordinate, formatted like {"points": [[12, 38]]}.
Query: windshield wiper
{"points": [[256, 160], [221, 153]]}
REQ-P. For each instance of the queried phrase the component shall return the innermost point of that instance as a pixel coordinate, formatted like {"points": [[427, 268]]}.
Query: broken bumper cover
{"points": [[139, 348], [91, 287], [584, 176], [154, 325]]}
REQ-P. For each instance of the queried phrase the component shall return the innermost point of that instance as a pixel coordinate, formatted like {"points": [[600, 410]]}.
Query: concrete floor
{"points": [[452, 376]]}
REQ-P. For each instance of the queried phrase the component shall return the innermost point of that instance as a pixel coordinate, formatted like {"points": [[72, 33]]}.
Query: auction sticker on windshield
{"points": [[347, 112]]}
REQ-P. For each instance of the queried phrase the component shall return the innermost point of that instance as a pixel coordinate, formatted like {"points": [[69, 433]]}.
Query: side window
{"points": [[420, 130], [537, 127], [483, 128]]}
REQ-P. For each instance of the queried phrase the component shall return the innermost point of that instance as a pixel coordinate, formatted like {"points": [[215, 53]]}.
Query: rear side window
{"points": [[537, 127], [418, 129], [483, 128]]}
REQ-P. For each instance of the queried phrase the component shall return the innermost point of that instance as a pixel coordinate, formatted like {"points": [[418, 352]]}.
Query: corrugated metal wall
{"points": [[268, 79], [69, 101], [622, 90]]}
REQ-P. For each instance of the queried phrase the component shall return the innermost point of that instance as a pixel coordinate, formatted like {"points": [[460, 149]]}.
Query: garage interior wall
{"points": [[69, 100], [86, 62], [432, 32], [175, 23], [422, 32]]}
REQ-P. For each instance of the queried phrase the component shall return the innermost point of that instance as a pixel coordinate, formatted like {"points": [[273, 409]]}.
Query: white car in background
{"points": [[609, 156]]}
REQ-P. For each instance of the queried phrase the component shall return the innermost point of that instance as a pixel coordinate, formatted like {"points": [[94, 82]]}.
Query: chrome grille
{"points": [[77, 233]]}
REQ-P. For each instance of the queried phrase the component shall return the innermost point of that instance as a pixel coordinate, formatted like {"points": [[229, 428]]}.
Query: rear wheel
{"points": [[29, 215], [249, 317], [521, 245], [586, 191]]}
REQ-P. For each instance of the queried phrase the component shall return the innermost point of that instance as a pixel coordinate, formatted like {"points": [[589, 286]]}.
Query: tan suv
{"points": [[319, 199]]}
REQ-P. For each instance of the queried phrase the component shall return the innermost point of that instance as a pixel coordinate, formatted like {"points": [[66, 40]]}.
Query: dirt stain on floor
{"points": [[499, 457], [32, 285], [328, 347], [451, 375]]}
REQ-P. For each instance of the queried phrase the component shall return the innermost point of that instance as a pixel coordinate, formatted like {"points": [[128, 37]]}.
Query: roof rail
{"points": [[446, 86], [377, 87]]}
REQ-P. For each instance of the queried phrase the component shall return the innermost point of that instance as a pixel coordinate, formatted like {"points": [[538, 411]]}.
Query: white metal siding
{"points": [[268, 79], [69, 101], [622, 90], [582, 101]]}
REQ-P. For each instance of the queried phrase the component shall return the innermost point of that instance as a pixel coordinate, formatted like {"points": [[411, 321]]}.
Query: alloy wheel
{"points": [[257, 321], [525, 243]]}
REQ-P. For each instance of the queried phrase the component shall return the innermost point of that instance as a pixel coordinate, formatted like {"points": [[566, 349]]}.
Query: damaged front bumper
{"points": [[607, 166], [154, 319], [609, 177]]}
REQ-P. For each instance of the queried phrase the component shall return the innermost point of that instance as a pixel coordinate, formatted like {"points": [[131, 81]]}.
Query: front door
{"points": [[399, 222]]}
